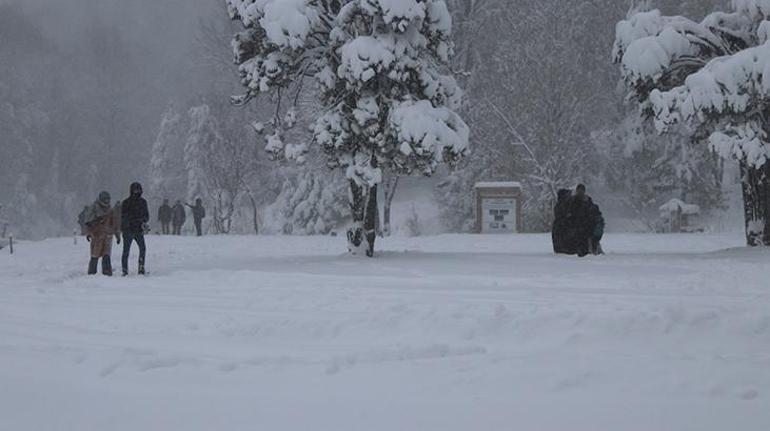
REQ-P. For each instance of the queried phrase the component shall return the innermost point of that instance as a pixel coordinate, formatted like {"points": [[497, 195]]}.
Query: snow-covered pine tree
{"points": [[387, 95], [711, 79]]}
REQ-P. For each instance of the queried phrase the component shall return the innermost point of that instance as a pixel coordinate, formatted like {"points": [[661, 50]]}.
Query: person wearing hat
{"points": [[101, 224], [134, 218]]}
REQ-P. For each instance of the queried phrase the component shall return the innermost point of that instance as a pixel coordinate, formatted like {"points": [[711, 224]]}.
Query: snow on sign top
{"points": [[498, 185]]}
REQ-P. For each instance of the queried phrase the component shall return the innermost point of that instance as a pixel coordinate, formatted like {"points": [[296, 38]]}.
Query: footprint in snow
{"points": [[749, 394]]}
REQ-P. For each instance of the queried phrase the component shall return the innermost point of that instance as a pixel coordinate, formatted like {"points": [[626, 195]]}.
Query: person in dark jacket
{"points": [[561, 232], [101, 223], [597, 230], [587, 223], [134, 218], [164, 217], [198, 213], [178, 217]]}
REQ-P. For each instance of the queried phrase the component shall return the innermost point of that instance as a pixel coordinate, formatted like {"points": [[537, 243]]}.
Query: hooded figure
{"points": [[585, 220], [101, 223], [178, 217], [134, 218], [198, 213]]}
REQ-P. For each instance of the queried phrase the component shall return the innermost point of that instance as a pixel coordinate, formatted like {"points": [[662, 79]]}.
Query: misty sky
{"points": [[162, 32]]}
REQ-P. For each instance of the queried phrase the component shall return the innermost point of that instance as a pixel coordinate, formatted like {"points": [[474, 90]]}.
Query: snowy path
{"points": [[438, 333]]}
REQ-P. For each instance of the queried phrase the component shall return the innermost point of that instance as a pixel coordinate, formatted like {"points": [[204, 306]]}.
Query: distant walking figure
{"points": [[134, 218], [198, 214], [164, 217], [178, 217], [101, 222]]}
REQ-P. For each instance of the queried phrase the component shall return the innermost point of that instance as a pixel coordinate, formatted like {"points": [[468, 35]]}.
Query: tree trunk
{"points": [[254, 215], [363, 207], [756, 203], [391, 184]]}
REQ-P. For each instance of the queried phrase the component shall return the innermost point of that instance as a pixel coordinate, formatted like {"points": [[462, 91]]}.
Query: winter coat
{"points": [[102, 222], [560, 233], [584, 220], [178, 216], [164, 213], [597, 222], [134, 213]]}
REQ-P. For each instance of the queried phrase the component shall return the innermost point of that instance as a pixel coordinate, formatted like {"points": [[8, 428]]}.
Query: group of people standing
{"points": [[128, 221], [172, 219], [578, 225]]}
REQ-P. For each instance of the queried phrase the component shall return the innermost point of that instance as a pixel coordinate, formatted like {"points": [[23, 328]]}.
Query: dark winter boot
{"points": [[370, 237], [106, 266], [125, 271], [141, 267], [92, 265]]}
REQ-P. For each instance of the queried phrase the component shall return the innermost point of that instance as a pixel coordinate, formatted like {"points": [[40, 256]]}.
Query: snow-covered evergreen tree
{"points": [[203, 135], [388, 99], [168, 176], [710, 79], [218, 166]]}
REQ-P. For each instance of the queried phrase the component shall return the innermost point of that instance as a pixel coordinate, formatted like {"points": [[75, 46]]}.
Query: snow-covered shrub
{"points": [[413, 225], [309, 204], [646, 169]]}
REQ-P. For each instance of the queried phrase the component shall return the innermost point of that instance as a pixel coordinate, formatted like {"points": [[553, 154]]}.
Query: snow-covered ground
{"points": [[436, 333]]}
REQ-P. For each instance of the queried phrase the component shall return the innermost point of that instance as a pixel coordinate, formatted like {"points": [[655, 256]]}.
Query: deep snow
{"points": [[667, 332]]}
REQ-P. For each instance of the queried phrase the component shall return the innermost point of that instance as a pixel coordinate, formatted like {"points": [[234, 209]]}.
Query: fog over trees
{"points": [[95, 94]]}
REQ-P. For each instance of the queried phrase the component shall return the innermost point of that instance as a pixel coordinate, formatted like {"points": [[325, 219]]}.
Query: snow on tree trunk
{"points": [[363, 207], [391, 184], [254, 210]]}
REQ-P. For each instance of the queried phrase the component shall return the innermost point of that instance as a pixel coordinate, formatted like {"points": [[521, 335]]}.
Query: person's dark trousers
{"points": [[93, 264], [165, 229], [128, 238], [198, 229], [106, 266]]}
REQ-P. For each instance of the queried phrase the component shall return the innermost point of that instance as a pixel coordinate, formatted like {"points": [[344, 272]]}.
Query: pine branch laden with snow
{"points": [[381, 68], [711, 79]]}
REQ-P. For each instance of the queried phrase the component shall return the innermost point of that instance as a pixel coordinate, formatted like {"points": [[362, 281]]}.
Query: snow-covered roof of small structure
{"points": [[675, 205], [498, 185]]}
